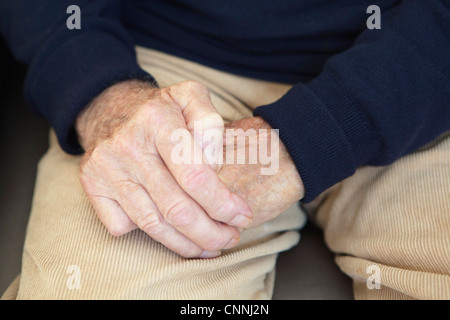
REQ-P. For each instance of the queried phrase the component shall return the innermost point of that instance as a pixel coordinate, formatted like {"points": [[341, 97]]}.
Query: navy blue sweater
{"points": [[360, 96]]}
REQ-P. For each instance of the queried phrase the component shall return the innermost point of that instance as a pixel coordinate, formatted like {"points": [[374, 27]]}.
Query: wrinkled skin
{"points": [[130, 178], [267, 195]]}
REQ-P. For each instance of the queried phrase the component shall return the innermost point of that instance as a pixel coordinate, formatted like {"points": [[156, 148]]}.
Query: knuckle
{"points": [[223, 211], [98, 156], [195, 86], [98, 161], [179, 214], [128, 145], [193, 179], [150, 224], [151, 111], [161, 117]]}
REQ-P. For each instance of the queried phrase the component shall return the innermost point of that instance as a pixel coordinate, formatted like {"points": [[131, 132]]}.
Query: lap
{"points": [[69, 254]]}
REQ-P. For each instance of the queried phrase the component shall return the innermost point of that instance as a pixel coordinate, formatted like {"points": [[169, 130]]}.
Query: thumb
{"points": [[202, 119]]}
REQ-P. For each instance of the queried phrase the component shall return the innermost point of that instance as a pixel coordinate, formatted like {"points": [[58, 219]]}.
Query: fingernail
{"points": [[233, 242], [209, 254], [242, 221]]}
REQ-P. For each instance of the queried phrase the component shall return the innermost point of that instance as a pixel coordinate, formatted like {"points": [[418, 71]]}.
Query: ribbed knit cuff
{"points": [[327, 137]]}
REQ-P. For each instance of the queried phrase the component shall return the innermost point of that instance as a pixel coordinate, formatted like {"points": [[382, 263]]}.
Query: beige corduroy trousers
{"points": [[388, 226]]}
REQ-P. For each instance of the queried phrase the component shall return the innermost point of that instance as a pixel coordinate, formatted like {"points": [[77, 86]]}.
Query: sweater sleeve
{"points": [[67, 68], [386, 96]]}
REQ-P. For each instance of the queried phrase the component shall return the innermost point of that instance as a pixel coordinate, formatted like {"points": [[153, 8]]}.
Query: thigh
{"points": [[391, 224], [68, 254]]}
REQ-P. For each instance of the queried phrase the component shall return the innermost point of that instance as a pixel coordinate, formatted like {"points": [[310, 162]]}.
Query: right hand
{"points": [[129, 177]]}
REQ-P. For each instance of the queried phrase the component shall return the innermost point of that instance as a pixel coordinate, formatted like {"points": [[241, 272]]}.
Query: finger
{"points": [[139, 206], [112, 216], [183, 213], [201, 183], [202, 118]]}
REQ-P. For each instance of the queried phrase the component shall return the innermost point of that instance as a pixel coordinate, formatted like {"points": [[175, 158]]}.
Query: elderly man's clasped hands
{"points": [[195, 208]]}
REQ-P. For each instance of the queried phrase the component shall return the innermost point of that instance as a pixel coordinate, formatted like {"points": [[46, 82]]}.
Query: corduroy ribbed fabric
{"points": [[391, 225]]}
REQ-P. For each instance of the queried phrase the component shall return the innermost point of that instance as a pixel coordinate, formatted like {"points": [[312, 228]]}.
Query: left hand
{"points": [[267, 195]]}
